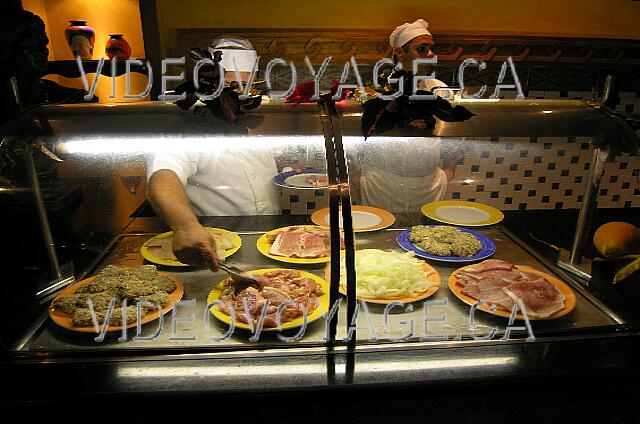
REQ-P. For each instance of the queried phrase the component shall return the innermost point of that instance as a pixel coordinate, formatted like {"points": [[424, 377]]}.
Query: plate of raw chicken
{"points": [[500, 283], [302, 244], [290, 293]]}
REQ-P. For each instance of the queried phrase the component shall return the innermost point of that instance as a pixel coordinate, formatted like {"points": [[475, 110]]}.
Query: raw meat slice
{"points": [[287, 243], [488, 265], [501, 283], [540, 297], [279, 287], [489, 290], [301, 242], [276, 296]]}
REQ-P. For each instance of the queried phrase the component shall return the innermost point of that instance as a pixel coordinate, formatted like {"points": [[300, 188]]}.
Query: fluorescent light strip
{"points": [[119, 145], [270, 370]]}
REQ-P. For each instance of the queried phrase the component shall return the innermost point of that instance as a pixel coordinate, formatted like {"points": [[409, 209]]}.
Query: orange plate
{"points": [[435, 277], [569, 301], [66, 321]]}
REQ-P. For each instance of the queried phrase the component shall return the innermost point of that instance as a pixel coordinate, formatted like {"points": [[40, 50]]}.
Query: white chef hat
{"points": [[407, 32], [235, 49]]}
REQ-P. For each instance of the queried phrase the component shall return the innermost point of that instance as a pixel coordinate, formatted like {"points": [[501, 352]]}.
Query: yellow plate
{"points": [[365, 218], [66, 321], [435, 277], [323, 304], [460, 212], [263, 246], [149, 255], [569, 295]]}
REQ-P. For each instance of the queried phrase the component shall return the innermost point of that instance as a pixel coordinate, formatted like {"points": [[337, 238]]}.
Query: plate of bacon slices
{"points": [[500, 283], [298, 244], [308, 179], [291, 294]]}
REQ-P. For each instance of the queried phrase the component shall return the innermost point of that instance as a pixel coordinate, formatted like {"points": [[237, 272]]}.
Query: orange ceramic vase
{"points": [[80, 38], [117, 47]]}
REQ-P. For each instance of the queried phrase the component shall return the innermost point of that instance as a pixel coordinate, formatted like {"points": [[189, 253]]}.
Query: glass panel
{"points": [[251, 180], [266, 173], [481, 176]]}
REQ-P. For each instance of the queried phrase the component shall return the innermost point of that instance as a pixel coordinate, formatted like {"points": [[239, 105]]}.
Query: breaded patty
{"points": [[101, 301], [83, 317], [444, 240], [132, 311], [117, 274], [436, 247], [466, 246], [160, 298], [141, 283], [164, 283], [111, 271], [69, 304], [145, 272], [134, 288], [100, 286]]}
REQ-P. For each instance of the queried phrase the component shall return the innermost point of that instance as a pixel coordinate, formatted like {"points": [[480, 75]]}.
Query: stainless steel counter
{"points": [[448, 317]]}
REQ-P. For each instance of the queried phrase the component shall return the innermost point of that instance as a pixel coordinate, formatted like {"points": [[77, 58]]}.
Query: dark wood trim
{"points": [[371, 45], [152, 42]]}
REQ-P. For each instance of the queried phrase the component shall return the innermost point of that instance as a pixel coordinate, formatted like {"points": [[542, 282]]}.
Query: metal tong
{"points": [[242, 281]]}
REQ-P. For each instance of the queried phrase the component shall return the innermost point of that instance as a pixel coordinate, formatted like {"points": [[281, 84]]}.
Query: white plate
{"points": [[365, 218], [300, 180], [360, 219], [297, 180], [460, 212]]}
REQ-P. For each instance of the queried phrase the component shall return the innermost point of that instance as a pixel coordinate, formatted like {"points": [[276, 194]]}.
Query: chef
{"points": [[403, 183], [227, 181], [412, 41]]}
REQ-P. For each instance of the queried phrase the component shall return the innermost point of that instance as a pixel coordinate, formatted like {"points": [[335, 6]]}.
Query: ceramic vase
{"points": [[80, 38], [117, 47]]}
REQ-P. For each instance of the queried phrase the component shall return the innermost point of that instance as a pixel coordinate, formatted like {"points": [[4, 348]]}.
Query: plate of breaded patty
{"points": [[154, 290], [446, 243]]}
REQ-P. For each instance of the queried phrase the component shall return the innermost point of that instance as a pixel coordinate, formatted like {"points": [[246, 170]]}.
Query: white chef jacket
{"points": [[224, 183], [405, 180]]}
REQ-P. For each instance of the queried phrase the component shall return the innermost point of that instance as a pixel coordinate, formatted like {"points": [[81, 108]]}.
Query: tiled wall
{"points": [[302, 202], [546, 173], [525, 173], [541, 173], [547, 67]]}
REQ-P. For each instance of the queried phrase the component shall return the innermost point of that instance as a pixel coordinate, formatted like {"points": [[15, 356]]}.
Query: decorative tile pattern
{"points": [[541, 173], [519, 173], [302, 202]]}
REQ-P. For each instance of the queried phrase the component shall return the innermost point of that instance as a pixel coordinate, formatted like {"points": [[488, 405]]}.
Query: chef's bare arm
{"points": [[192, 243], [452, 155]]}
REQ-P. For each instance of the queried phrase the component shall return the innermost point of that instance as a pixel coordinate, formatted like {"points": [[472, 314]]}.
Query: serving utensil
{"points": [[239, 276]]}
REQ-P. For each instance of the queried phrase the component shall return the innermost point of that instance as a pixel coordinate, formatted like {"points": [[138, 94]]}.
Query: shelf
{"points": [[69, 68]]}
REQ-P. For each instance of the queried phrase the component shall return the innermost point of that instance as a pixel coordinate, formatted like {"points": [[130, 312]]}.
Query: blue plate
{"points": [[488, 247], [297, 180]]}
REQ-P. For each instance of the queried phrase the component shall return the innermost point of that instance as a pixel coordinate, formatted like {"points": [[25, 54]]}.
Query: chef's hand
{"points": [[450, 173], [194, 245]]}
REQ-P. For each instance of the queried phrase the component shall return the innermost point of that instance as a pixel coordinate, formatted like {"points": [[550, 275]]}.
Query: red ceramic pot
{"points": [[117, 47], [80, 38]]}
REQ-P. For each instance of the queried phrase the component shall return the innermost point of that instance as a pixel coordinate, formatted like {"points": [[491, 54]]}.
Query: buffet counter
{"points": [[438, 319], [517, 157]]}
